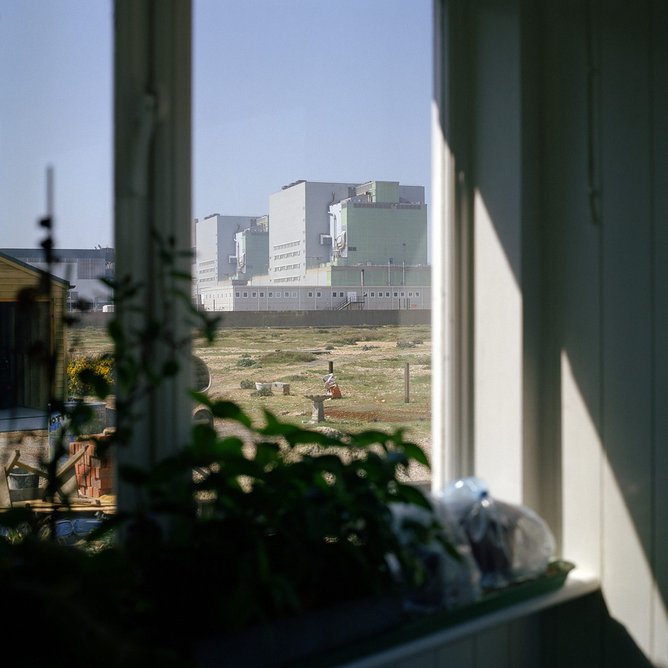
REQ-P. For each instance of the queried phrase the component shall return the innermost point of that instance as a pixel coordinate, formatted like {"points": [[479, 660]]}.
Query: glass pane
{"points": [[56, 147], [56, 106], [311, 184]]}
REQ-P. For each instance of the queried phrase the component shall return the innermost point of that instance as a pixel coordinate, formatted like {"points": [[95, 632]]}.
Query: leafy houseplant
{"points": [[233, 534], [296, 522]]}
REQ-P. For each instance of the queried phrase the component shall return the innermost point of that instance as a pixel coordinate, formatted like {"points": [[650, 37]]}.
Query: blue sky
{"points": [[323, 90]]}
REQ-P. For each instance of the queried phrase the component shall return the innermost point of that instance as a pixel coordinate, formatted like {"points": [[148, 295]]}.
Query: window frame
{"points": [[163, 159]]}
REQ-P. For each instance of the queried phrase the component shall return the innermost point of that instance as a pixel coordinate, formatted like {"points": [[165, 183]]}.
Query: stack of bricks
{"points": [[94, 473]]}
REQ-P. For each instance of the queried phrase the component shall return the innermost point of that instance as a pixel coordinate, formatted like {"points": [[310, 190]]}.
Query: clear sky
{"points": [[322, 90]]}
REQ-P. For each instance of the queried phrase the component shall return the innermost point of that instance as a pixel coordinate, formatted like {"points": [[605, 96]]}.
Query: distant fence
{"points": [[296, 318]]}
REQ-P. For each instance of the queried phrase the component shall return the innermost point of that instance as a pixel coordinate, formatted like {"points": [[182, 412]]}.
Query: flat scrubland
{"points": [[368, 363]]}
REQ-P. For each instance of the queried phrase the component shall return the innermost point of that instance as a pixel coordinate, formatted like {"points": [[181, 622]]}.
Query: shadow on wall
{"points": [[573, 187], [582, 634]]}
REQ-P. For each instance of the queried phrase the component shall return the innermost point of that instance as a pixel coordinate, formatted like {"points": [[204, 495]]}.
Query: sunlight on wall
{"points": [[498, 363], [660, 629], [626, 575], [581, 476], [599, 532], [444, 452]]}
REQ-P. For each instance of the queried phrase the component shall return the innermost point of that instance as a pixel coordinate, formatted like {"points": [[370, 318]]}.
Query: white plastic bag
{"points": [[509, 542], [453, 579]]}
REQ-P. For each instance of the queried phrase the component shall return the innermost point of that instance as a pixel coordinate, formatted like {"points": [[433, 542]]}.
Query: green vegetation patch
{"points": [[296, 377], [287, 357]]}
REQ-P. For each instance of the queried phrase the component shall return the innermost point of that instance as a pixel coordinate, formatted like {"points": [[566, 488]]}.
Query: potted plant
{"points": [[235, 538], [295, 524]]}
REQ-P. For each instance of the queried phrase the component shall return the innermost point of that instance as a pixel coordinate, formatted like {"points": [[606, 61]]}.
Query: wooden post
{"points": [[331, 367], [407, 383]]}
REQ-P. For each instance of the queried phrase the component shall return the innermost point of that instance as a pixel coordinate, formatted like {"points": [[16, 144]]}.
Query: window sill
{"points": [[577, 584], [370, 633]]}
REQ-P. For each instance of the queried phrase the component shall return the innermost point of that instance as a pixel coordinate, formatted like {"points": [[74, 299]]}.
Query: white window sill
{"points": [[578, 583]]}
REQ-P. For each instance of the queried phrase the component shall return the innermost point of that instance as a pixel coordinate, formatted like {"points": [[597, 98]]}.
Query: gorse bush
{"points": [[89, 374], [287, 357]]}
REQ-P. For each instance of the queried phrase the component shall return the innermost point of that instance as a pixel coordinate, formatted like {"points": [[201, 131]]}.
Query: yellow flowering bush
{"points": [[85, 374]]}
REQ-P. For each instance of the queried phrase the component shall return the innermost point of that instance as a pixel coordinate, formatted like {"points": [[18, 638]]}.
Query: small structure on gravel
{"points": [[318, 400]]}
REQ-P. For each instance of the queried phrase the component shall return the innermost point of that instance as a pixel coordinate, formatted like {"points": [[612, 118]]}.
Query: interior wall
{"points": [[564, 157], [604, 128]]}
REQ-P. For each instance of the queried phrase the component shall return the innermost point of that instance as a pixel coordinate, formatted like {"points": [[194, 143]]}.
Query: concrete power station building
{"points": [[323, 246], [216, 246]]}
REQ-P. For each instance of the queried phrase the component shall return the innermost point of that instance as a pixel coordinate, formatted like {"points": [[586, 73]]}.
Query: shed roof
{"points": [[38, 273]]}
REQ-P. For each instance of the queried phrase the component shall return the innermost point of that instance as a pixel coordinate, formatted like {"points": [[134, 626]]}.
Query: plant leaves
{"points": [[230, 411], [133, 475], [416, 453], [411, 494]]}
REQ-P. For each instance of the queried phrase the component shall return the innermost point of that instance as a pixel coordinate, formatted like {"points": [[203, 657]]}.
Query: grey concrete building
{"points": [[299, 230], [215, 247]]}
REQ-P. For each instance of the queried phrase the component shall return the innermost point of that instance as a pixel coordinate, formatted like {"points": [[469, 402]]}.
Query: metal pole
{"points": [[407, 383], [331, 367]]}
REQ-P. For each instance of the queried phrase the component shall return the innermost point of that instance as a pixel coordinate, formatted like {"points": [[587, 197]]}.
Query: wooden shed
{"points": [[32, 335]]}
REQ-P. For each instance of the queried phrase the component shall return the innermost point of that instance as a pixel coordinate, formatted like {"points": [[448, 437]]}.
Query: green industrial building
{"points": [[378, 226], [328, 246]]}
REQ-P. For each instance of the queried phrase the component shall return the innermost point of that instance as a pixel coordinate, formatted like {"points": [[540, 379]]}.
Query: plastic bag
{"points": [[331, 386], [451, 581], [510, 543]]}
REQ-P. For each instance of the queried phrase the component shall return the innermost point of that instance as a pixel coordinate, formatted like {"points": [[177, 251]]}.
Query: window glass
{"points": [[55, 106], [55, 160], [55, 111], [312, 188]]}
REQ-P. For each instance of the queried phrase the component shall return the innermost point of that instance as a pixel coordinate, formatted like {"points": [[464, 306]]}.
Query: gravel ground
{"points": [[34, 446]]}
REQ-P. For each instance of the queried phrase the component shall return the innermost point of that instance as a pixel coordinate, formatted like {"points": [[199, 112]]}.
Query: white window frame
{"points": [[152, 185], [161, 158], [484, 396]]}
